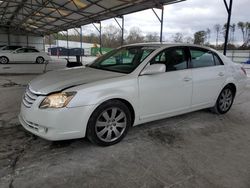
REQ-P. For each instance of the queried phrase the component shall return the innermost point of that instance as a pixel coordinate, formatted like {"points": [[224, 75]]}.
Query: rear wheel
{"points": [[224, 101], [4, 60], [39, 60], [109, 123]]}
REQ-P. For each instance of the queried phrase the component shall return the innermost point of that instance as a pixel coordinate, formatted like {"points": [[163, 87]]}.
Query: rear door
{"points": [[32, 54], [19, 55], [167, 92], [208, 73]]}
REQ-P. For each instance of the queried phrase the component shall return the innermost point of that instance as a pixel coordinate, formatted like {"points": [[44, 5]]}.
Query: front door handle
{"points": [[187, 79], [221, 74]]}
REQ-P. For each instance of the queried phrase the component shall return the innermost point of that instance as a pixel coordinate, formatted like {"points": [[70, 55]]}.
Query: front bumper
{"points": [[55, 124]]}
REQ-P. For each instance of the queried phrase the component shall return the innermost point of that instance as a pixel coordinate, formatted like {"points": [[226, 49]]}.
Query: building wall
{"points": [[21, 39]]}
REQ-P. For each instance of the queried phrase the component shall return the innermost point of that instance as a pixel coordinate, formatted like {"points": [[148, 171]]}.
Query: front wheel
{"points": [[39, 60], [109, 123], [224, 101], [4, 60]]}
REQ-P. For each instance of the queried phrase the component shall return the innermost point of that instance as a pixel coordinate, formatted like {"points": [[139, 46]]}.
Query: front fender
{"points": [[99, 93]]}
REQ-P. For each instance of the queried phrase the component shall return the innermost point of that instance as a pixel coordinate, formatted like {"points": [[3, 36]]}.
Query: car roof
{"points": [[163, 44]]}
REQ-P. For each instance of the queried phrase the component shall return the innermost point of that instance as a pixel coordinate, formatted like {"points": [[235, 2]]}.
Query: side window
{"points": [[173, 58], [32, 50], [160, 58], [217, 60], [22, 50], [201, 58]]}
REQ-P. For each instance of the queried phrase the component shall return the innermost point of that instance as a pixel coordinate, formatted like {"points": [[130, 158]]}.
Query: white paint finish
{"points": [[152, 96], [61, 79], [207, 83], [164, 93]]}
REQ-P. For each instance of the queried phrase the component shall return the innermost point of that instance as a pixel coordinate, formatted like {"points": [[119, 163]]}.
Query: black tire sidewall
{"points": [[219, 111], [6, 59], [40, 58], [91, 134]]}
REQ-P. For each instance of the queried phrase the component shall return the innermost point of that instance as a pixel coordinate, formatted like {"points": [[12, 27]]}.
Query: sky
{"points": [[186, 17]]}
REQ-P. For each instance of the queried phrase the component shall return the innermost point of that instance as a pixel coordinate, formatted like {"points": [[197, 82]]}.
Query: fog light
{"points": [[42, 129]]}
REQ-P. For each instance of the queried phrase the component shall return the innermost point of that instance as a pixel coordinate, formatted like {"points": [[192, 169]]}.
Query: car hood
{"points": [[61, 79]]}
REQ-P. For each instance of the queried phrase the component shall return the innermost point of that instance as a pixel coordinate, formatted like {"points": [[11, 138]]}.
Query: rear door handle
{"points": [[221, 74], [187, 79]]}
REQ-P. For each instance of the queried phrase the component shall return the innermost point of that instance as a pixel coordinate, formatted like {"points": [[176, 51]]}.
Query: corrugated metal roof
{"points": [[50, 16]]}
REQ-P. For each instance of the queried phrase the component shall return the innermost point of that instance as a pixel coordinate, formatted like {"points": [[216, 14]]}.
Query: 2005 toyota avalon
{"points": [[128, 86]]}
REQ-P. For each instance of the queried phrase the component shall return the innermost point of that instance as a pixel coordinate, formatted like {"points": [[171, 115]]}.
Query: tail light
{"points": [[244, 71]]}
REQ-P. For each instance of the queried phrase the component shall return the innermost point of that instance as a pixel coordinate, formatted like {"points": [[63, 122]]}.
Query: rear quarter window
{"points": [[201, 58]]}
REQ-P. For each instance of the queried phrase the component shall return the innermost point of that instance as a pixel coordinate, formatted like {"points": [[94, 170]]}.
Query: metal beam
{"points": [[81, 41], [68, 44], [121, 27], [160, 20], [100, 35], [229, 11], [19, 7]]}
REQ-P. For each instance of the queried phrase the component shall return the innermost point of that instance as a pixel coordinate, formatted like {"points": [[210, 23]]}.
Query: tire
{"points": [[224, 101], [109, 123], [40, 60], [4, 60]]}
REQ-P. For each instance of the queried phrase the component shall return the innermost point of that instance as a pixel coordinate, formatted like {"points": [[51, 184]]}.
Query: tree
{"points": [[178, 38], [189, 40], [208, 35], [200, 37], [111, 36], [245, 29], [152, 37], [134, 36], [231, 32], [217, 28]]}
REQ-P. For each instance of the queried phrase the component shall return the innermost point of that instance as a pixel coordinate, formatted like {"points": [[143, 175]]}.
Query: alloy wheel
{"points": [[111, 124], [225, 100]]}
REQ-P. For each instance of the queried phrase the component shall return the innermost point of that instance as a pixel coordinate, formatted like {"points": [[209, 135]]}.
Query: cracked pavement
{"points": [[198, 149]]}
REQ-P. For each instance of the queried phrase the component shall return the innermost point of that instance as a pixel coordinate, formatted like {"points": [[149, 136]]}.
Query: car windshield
{"points": [[123, 60]]}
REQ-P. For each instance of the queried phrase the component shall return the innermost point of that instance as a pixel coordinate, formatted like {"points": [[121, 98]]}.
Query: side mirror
{"points": [[14, 52], [154, 69]]}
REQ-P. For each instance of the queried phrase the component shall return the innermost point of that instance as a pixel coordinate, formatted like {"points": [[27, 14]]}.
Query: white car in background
{"points": [[128, 86], [9, 48], [24, 55]]}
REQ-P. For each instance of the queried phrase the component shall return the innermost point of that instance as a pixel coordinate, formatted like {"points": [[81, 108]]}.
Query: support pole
{"points": [[162, 14], [8, 38], [58, 53], [44, 43], [68, 44], [50, 44], [122, 28], [160, 20], [27, 40], [81, 41], [100, 35], [100, 49], [229, 11]]}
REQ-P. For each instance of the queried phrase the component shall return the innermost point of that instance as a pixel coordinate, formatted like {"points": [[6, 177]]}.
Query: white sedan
{"points": [[128, 86], [23, 55]]}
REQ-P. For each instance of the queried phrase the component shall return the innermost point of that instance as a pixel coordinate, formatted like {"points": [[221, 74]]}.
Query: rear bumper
{"points": [[56, 124]]}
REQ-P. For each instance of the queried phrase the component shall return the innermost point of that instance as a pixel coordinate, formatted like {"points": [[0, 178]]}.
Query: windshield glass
{"points": [[124, 60]]}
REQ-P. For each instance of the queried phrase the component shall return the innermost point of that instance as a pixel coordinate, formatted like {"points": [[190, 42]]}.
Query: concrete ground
{"points": [[198, 149]]}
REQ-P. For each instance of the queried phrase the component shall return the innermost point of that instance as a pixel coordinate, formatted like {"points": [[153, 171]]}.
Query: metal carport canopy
{"points": [[50, 16]]}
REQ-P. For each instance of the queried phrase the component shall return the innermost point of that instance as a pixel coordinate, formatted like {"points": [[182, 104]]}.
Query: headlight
{"points": [[57, 100]]}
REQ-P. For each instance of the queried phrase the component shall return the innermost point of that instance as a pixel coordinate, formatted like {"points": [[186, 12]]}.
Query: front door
{"points": [[163, 93]]}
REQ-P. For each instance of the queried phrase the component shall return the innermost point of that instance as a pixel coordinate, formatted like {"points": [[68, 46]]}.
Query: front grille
{"points": [[29, 98]]}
